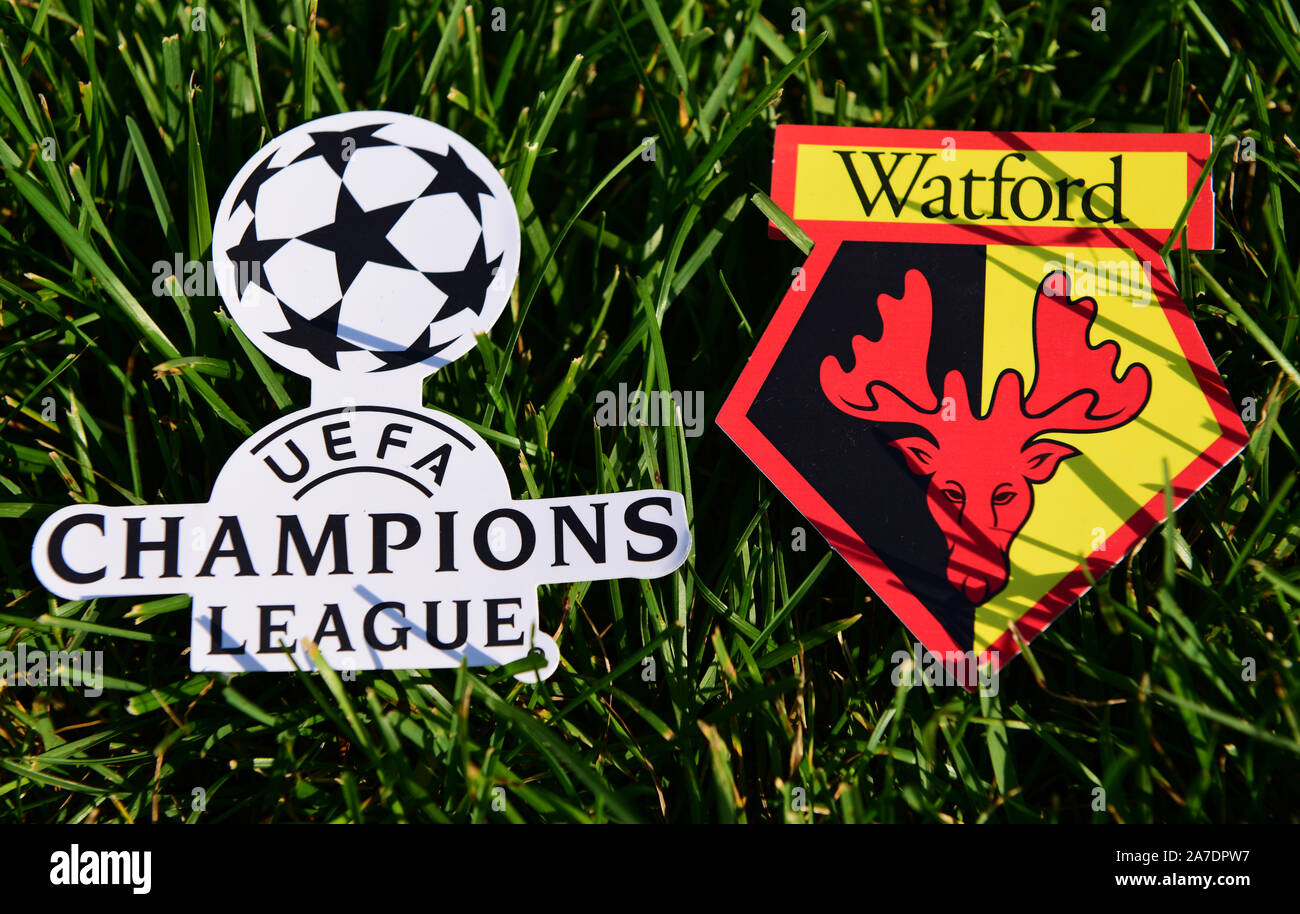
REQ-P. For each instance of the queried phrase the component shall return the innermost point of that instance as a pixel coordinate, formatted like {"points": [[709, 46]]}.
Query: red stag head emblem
{"points": [[982, 469]]}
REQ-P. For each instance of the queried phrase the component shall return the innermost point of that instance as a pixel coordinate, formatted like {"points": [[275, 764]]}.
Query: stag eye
{"points": [[956, 496], [1001, 498]]}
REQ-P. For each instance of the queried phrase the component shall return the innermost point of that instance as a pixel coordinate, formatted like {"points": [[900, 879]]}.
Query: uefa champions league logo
{"points": [[364, 251]]}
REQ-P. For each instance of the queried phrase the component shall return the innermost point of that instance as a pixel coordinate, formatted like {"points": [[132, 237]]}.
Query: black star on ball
{"points": [[421, 349], [253, 183], [319, 335], [454, 177], [250, 254], [357, 237], [466, 289], [337, 146]]}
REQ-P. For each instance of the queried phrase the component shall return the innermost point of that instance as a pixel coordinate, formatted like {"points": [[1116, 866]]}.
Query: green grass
{"points": [[772, 665]]}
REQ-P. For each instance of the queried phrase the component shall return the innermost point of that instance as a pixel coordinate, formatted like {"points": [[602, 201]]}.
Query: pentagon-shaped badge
{"points": [[980, 383]]}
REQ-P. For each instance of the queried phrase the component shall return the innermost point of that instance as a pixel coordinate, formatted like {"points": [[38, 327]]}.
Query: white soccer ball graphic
{"points": [[366, 242]]}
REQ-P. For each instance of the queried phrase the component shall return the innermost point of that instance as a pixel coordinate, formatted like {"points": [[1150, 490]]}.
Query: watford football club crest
{"points": [[981, 380], [364, 251]]}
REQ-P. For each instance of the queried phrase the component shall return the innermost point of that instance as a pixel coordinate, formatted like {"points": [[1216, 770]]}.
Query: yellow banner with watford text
{"points": [[909, 184]]}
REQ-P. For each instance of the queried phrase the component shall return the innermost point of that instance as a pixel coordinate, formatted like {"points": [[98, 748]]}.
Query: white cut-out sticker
{"points": [[377, 530]]}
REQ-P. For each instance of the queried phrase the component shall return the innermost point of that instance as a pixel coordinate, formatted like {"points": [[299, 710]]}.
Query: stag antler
{"points": [[1075, 386], [888, 381]]}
